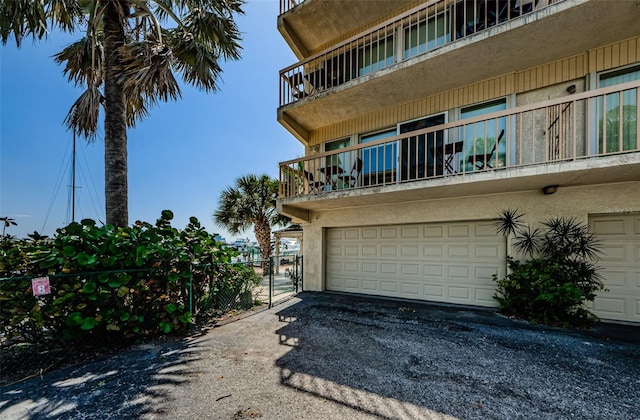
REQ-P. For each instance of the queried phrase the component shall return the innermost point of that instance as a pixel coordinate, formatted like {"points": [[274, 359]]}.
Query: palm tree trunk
{"points": [[115, 122], [262, 230]]}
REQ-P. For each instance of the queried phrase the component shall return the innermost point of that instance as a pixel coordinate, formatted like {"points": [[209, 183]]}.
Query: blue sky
{"points": [[180, 158]]}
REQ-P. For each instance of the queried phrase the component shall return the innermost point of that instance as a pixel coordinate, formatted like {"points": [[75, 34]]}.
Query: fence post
{"points": [[270, 268], [191, 293]]}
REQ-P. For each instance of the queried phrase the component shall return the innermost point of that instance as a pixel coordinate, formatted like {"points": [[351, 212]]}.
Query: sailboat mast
{"points": [[73, 180]]}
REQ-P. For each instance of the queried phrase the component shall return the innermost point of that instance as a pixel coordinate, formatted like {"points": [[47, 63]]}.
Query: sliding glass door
{"points": [[618, 113]]}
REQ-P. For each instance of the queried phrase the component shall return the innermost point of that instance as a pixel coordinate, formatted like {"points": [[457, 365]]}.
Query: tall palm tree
{"points": [[7, 222], [126, 61], [252, 201]]}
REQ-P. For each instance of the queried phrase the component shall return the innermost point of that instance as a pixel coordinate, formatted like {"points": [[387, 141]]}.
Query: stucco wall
{"points": [[578, 202]]}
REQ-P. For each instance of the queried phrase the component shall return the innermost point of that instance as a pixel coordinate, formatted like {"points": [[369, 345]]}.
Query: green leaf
{"points": [[85, 259], [122, 291], [115, 283], [125, 316], [89, 287], [186, 318], [165, 327], [171, 308], [74, 319], [173, 277], [69, 251], [88, 323]]}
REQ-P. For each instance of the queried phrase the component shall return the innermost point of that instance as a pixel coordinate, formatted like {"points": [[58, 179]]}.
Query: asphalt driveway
{"points": [[328, 356]]}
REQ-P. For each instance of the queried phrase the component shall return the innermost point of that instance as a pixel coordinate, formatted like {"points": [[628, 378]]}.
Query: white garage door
{"points": [[619, 237], [452, 262]]}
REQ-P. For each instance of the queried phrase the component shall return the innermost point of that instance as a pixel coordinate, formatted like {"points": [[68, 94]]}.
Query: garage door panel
{"points": [[432, 251], [485, 295], [369, 285], [411, 289], [388, 251], [619, 237], [369, 233], [410, 269], [433, 232], [489, 251], [370, 267], [459, 293], [458, 251], [485, 230], [388, 233], [442, 262], [433, 291], [409, 251], [369, 250]]}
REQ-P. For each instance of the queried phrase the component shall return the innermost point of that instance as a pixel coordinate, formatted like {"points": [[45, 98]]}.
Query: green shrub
{"points": [[118, 283], [560, 276]]}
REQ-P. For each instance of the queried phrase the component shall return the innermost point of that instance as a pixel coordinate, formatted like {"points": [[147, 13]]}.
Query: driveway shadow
{"points": [[129, 384], [407, 360]]}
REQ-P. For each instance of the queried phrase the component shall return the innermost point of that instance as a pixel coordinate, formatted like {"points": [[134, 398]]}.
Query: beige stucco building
{"points": [[421, 120]]}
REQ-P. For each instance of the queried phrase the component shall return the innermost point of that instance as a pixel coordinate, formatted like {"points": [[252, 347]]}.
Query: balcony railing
{"points": [[286, 5], [590, 124], [425, 28]]}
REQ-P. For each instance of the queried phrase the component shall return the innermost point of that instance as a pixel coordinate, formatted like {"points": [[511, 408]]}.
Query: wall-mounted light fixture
{"points": [[550, 189], [571, 89]]}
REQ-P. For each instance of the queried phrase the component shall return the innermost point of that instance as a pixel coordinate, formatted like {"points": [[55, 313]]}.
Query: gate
{"points": [[282, 278]]}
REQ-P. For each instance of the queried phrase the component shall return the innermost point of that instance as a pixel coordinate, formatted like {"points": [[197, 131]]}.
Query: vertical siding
{"points": [[560, 71]]}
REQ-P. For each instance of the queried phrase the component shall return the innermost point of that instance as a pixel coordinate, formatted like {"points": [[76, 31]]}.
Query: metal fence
{"points": [[44, 323]]}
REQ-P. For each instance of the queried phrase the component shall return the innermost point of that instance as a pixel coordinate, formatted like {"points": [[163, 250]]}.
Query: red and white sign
{"points": [[41, 286]]}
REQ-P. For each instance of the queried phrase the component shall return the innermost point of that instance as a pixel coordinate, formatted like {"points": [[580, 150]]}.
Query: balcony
{"points": [[318, 22], [286, 5], [438, 46], [587, 138]]}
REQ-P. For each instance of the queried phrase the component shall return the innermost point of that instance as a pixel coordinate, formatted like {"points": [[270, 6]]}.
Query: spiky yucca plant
{"points": [[558, 278]]}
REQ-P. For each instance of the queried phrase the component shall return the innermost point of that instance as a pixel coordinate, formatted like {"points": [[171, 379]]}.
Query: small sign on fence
{"points": [[41, 286]]}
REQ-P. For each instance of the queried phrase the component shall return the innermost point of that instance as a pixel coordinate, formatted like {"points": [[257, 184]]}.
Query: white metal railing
{"points": [[286, 5], [590, 124], [424, 28]]}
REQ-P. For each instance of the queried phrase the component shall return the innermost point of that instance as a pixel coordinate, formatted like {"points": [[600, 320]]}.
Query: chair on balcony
{"points": [[314, 186], [482, 160], [351, 178]]}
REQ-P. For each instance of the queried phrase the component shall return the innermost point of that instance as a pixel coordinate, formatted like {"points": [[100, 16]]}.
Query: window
{"points": [[417, 156], [426, 35], [480, 137], [376, 55], [618, 113], [335, 145], [379, 162], [337, 162]]}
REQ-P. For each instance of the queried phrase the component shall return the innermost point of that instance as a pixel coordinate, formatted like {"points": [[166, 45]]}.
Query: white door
{"points": [[619, 237], [450, 262]]}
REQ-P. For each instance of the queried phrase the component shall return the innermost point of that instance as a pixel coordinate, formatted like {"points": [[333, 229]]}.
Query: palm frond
{"points": [[83, 115], [80, 63], [216, 29], [145, 71], [197, 63], [66, 14], [22, 18]]}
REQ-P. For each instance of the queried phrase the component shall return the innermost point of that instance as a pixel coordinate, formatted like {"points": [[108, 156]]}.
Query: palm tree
{"points": [[7, 222], [37, 237], [252, 201], [125, 62]]}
